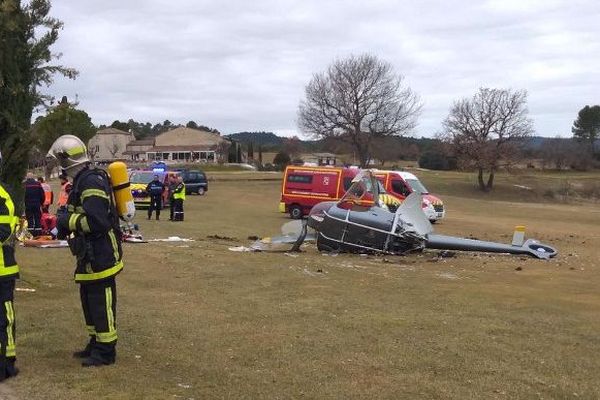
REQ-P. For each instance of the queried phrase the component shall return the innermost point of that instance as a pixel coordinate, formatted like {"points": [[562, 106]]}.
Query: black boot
{"points": [[96, 362], [8, 368], [85, 353], [101, 354]]}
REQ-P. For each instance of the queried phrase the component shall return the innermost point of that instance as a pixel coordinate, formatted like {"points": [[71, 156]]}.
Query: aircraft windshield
{"points": [[417, 186], [364, 189]]}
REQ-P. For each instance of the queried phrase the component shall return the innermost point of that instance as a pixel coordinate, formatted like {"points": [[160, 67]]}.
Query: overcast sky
{"points": [[243, 65]]}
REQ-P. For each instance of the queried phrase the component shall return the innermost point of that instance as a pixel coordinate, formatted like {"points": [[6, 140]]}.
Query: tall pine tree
{"points": [[587, 125], [27, 33]]}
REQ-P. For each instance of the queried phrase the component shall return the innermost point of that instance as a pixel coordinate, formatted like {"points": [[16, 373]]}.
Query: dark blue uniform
{"points": [[92, 217], [155, 190], [34, 199]]}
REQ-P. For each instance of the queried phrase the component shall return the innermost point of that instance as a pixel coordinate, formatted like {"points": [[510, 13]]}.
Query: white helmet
{"points": [[71, 154]]}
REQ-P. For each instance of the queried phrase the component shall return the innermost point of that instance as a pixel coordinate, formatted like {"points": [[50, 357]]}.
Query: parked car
{"points": [[195, 181], [140, 179]]}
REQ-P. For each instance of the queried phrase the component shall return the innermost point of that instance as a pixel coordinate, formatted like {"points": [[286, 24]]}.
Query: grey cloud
{"points": [[240, 65]]}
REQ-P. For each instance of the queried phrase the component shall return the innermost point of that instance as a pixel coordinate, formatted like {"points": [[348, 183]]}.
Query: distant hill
{"points": [[264, 139]]}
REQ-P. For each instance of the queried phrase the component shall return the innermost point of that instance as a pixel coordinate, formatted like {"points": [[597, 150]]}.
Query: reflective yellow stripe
{"points": [[115, 246], [76, 150], [110, 319], [6, 219], [10, 317], [91, 330], [73, 222], [93, 192], [100, 275], [10, 206], [4, 271], [106, 337], [85, 227]]}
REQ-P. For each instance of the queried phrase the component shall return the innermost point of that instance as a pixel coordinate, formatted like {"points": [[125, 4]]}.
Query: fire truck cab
{"points": [[400, 184], [303, 187]]}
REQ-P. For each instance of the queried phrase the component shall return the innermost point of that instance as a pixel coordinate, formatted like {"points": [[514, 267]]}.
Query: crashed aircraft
{"points": [[360, 222]]}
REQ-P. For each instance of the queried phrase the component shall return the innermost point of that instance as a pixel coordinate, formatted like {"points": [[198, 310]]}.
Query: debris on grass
{"points": [[447, 254], [219, 237], [448, 275], [22, 289], [523, 187], [172, 239], [242, 249]]}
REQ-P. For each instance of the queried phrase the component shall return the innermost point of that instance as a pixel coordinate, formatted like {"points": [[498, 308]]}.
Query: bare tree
{"points": [[355, 100], [385, 149], [558, 152], [485, 130], [93, 148], [222, 150], [292, 146], [115, 148]]}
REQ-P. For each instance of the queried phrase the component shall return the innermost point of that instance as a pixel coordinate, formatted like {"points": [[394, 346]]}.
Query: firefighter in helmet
{"points": [[9, 272], [91, 224]]}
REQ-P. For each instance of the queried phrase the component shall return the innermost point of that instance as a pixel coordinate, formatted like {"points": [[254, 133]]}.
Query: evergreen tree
{"points": [[260, 154], [587, 125], [26, 35], [250, 151], [61, 120]]}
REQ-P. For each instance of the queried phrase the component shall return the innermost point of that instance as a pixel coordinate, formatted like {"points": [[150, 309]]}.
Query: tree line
{"points": [[143, 130]]}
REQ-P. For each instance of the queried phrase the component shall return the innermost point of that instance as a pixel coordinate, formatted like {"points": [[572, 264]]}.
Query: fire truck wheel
{"points": [[295, 211]]}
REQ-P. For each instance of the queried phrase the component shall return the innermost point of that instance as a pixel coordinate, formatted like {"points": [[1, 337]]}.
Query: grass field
{"points": [[197, 321]]}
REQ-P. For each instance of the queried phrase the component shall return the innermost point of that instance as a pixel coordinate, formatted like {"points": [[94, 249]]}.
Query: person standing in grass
{"points": [[155, 190], [91, 224], [34, 199], [48, 194], [172, 186], [178, 199], [9, 272]]}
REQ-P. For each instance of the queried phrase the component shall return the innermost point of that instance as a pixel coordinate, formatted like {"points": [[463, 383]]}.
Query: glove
{"points": [[62, 225]]}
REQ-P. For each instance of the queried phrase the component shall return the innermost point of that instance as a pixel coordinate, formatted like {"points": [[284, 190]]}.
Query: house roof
{"points": [[168, 149], [330, 155], [141, 142], [183, 136], [112, 131]]}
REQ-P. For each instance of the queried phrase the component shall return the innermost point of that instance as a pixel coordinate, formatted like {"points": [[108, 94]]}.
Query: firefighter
{"points": [[65, 189], [9, 272], [91, 222], [155, 189], [48, 195], [172, 185], [34, 198], [178, 198]]}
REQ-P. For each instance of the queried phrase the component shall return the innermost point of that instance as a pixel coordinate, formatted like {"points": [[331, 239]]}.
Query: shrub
{"points": [[437, 160], [281, 160]]}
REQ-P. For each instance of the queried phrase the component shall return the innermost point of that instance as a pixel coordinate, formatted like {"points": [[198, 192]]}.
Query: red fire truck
{"points": [[303, 187]]}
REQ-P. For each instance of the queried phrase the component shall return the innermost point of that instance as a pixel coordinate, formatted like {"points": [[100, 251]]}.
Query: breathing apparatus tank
{"points": [[120, 184]]}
